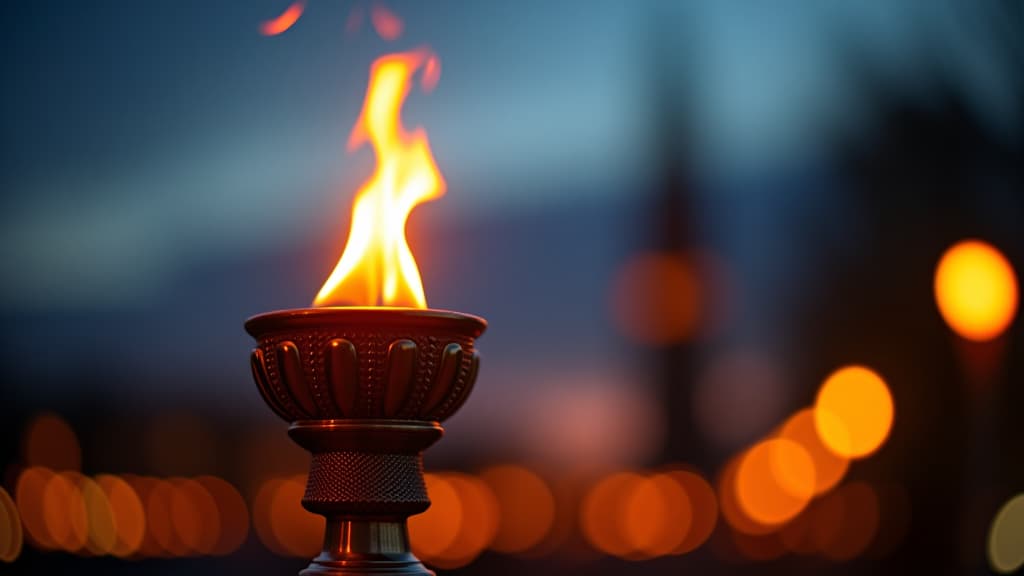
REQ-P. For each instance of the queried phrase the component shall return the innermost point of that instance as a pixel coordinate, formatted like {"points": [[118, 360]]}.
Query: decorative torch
{"points": [[366, 376]]}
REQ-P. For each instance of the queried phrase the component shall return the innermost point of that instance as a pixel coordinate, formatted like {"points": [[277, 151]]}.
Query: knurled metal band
{"points": [[365, 483]]}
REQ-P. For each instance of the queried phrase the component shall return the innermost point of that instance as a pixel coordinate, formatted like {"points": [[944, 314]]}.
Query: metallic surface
{"points": [[365, 390]]}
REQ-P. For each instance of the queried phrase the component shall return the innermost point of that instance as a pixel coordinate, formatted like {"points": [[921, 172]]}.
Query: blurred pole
{"points": [[671, 219]]}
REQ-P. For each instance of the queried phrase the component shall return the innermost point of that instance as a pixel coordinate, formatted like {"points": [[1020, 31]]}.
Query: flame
{"points": [[284, 21], [377, 267]]}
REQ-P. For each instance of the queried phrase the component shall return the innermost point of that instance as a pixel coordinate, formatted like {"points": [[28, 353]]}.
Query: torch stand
{"points": [[366, 479], [365, 390]]}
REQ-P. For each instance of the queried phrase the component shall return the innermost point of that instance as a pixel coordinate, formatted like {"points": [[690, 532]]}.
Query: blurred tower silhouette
{"points": [[670, 222]]}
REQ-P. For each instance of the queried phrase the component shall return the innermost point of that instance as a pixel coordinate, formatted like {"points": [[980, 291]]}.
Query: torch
{"points": [[367, 375]]}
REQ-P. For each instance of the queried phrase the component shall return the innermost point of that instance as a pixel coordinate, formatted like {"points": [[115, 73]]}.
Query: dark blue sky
{"points": [[168, 171], [141, 136]]}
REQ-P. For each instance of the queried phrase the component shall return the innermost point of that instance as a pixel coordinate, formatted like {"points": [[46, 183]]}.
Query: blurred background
{"points": [[751, 273]]}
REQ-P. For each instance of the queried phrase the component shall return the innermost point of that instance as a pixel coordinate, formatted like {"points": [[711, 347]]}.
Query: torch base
{"points": [[366, 479], [361, 547]]}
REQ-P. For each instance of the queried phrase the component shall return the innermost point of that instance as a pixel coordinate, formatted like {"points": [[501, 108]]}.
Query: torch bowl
{"points": [[393, 363]]}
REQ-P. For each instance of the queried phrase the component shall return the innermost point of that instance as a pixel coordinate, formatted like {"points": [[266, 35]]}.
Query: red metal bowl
{"points": [[365, 363]]}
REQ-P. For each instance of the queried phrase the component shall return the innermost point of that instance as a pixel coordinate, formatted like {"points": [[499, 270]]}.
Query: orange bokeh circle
{"points": [[976, 290]]}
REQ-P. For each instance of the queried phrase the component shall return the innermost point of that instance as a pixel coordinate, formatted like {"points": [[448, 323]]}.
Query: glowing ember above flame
{"points": [[377, 267], [387, 24], [285, 21]]}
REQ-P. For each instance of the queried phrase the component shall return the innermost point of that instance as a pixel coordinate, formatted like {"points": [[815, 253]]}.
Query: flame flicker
{"points": [[377, 266]]}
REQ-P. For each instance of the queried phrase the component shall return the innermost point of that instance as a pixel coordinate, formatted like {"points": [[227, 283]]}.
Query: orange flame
{"points": [[282, 23], [377, 266]]}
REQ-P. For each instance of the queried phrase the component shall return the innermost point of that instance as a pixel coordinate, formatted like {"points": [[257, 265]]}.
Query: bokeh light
{"points": [[853, 412], [435, 530], [1006, 537], [262, 519], [233, 514], [101, 526], [703, 509], [297, 530], [774, 481], [657, 516], [28, 494], [829, 467], [602, 513], [656, 298], [127, 513], [478, 525], [149, 547], [10, 528], [976, 290], [728, 501], [641, 516], [160, 500], [194, 516], [526, 508], [51, 442], [64, 511]]}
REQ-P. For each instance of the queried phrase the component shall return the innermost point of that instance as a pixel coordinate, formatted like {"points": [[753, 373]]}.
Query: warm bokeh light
{"points": [[478, 525], [284, 21], [858, 525], [49, 441], [297, 530], [829, 467], [233, 514], [637, 517], [526, 508], [101, 527], [127, 512], [774, 481], [976, 290], [10, 528], [194, 516], [853, 412], [656, 516], [149, 547], [656, 298], [728, 501], [703, 509], [1006, 537], [387, 24], [160, 499], [602, 514], [28, 494], [262, 521], [64, 511], [377, 266], [436, 530]]}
